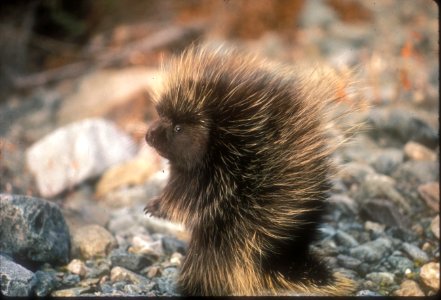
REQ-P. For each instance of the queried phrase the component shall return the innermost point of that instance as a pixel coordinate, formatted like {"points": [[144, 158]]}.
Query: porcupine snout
{"points": [[153, 133]]}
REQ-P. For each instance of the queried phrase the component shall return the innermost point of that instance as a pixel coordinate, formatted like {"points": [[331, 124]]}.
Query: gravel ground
{"points": [[382, 226]]}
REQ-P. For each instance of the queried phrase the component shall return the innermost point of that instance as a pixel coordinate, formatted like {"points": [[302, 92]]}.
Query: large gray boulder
{"points": [[33, 230]]}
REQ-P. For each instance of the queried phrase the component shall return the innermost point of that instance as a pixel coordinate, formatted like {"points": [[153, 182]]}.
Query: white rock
{"points": [[77, 152]]}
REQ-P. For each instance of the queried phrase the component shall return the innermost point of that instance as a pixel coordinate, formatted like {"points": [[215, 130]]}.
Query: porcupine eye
{"points": [[187, 144]]}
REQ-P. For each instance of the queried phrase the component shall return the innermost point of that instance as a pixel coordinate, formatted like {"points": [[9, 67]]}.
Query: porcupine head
{"points": [[249, 173]]}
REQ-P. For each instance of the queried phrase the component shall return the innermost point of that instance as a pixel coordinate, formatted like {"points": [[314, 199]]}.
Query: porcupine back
{"points": [[254, 202]]}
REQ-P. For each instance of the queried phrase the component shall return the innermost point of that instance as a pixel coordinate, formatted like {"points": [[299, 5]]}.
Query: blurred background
{"points": [[79, 74]]}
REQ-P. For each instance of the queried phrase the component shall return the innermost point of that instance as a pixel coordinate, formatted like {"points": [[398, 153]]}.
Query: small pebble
{"points": [[73, 292], [409, 288], [434, 226], [381, 278], [429, 192], [374, 227], [429, 274], [92, 241], [348, 262], [415, 253], [143, 244], [372, 251], [345, 239], [71, 279], [76, 266], [122, 274], [415, 151]]}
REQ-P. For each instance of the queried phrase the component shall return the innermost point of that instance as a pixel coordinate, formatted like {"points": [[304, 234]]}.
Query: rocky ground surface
{"points": [[75, 177]]}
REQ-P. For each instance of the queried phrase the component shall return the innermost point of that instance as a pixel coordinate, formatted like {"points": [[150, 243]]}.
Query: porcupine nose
{"points": [[151, 134]]}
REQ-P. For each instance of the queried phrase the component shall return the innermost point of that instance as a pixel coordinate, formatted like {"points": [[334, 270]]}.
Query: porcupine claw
{"points": [[152, 207]]}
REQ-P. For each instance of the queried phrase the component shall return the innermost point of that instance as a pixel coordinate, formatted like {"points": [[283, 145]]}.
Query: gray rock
{"points": [[415, 253], [381, 278], [98, 268], [399, 264], [171, 245], [412, 174], [383, 212], [402, 125], [387, 160], [71, 279], [33, 229], [16, 281], [106, 288], [343, 203], [345, 239], [131, 261], [132, 289], [380, 186], [166, 284], [415, 173], [46, 283], [372, 251], [348, 262], [119, 285], [77, 152]]}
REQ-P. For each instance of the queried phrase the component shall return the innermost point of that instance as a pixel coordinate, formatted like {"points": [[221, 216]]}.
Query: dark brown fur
{"points": [[250, 166]]}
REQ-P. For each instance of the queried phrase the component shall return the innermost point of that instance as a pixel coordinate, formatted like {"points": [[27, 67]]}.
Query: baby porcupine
{"points": [[249, 174]]}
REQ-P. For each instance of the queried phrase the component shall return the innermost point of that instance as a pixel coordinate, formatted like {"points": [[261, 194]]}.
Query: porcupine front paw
{"points": [[153, 208]]}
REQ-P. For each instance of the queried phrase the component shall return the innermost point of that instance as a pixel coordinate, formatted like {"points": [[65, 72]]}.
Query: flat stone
{"points": [[372, 251], [429, 192], [409, 288], [429, 274], [77, 152], [16, 281], [415, 253], [92, 241], [415, 151], [33, 229]]}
